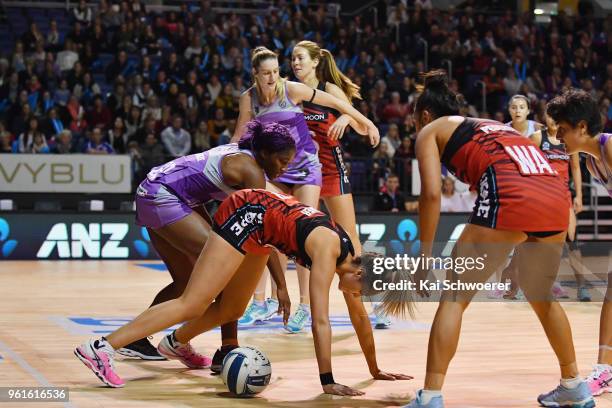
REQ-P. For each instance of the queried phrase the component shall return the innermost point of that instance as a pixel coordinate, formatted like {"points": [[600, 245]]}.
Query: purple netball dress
{"points": [[170, 191], [305, 167], [604, 177]]}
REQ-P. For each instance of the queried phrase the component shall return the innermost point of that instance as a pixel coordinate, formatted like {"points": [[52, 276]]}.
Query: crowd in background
{"points": [[121, 79]]}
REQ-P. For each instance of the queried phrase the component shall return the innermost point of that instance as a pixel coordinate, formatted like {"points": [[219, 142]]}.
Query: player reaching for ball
{"points": [[245, 226]]}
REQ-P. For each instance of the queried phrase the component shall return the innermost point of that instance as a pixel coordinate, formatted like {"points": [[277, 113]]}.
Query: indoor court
{"points": [[503, 358]]}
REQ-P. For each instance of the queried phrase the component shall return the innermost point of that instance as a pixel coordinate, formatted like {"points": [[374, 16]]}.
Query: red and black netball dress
{"points": [[335, 176], [517, 186], [557, 155], [254, 220]]}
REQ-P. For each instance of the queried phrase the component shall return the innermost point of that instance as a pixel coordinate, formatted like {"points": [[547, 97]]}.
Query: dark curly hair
{"points": [[573, 106], [270, 137]]}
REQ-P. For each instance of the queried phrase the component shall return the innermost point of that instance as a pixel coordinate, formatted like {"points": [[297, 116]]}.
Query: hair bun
{"points": [[257, 50], [436, 79]]}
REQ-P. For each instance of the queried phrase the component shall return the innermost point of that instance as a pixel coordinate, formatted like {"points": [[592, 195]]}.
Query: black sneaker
{"points": [[142, 349], [217, 360]]}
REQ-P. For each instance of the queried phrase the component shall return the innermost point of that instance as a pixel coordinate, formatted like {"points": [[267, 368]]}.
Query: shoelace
{"points": [[250, 309], [597, 370], [300, 316], [188, 351]]}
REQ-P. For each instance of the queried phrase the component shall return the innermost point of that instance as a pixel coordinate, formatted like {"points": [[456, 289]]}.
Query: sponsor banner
{"points": [[65, 173], [116, 236]]}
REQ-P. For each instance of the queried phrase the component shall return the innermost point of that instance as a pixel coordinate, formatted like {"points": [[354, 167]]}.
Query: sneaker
{"points": [[583, 294], [435, 402], [217, 360], [142, 349], [496, 294], [173, 350], [600, 380], [271, 307], [98, 356], [252, 314], [382, 320], [579, 397], [558, 291], [299, 319]]}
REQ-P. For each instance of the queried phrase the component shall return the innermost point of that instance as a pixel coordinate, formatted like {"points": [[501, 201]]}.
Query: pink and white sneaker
{"points": [[173, 350], [600, 380], [98, 356]]}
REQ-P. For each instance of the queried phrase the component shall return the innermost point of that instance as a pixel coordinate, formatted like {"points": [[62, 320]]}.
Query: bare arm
{"points": [[299, 92], [241, 171], [337, 129], [577, 177], [276, 270], [429, 201], [244, 116], [536, 137]]}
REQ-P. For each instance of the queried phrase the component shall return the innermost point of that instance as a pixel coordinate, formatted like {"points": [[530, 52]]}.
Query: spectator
{"points": [[395, 110], [66, 59], [53, 125], [217, 125], [201, 137], [392, 138], [226, 135], [82, 13], [96, 145], [26, 139], [451, 200], [77, 116], [133, 122], [63, 143], [54, 38], [118, 67], [117, 136], [38, 145], [152, 153], [389, 198], [176, 139], [5, 140], [99, 115]]}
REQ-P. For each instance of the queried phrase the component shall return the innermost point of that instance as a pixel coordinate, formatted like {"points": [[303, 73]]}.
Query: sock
{"points": [[228, 347], [425, 396], [260, 303], [571, 383], [305, 307]]}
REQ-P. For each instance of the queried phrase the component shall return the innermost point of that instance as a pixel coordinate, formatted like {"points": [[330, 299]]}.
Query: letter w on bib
{"points": [[529, 160]]}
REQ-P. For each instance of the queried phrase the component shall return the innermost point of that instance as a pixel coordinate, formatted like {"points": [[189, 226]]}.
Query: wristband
{"points": [[327, 378]]}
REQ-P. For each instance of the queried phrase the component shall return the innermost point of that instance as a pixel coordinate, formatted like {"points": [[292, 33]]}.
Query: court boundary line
{"points": [[38, 376]]}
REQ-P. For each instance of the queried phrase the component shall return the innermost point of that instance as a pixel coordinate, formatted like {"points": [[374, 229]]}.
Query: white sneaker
{"points": [[271, 307]]}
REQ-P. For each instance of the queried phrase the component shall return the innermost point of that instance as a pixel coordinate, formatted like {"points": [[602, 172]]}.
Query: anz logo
{"points": [[85, 240], [404, 241], [7, 246]]}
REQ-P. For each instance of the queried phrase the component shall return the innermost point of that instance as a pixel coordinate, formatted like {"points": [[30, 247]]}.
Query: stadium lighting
{"points": [[538, 11]]}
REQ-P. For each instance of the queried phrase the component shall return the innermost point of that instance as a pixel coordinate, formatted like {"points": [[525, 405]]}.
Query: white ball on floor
{"points": [[246, 371]]}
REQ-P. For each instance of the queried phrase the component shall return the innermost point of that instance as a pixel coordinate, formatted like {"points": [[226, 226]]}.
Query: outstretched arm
{"points": [[336, 130], [361, 323]]}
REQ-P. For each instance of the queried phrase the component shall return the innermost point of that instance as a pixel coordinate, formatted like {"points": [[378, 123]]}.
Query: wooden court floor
{"points": [[47, 308]]}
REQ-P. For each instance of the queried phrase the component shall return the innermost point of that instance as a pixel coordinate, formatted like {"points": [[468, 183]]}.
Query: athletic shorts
{"points": [[304, 169], [157, 206], [334, 172], [508, 201], [240, 227]]}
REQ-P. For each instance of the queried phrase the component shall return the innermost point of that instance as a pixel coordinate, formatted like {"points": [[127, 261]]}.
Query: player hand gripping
{"points": [[339, 389], [336, 130], [373, 134]]}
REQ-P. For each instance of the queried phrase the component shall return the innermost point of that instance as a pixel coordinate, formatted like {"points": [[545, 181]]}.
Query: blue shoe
{"points": [[583, 294], [299, 319], [579, 397], [435, 402], [271, 308], [382, 320], [253, 313]]}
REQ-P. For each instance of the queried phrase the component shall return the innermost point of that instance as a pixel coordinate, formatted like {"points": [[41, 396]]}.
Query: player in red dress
{"points": [[246, 227], [516, 187]]}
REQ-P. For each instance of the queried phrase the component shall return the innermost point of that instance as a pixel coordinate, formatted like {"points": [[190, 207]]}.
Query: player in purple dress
{"points": [[579, 123], [169, 203], [274, 99]]}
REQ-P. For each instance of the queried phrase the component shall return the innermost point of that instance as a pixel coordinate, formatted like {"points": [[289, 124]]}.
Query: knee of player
{"points": [[191, 309]]}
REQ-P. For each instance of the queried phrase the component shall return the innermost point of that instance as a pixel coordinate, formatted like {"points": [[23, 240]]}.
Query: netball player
{"points": [[562, 162], [519, 110], [169, 203], [245, 226], [274, 99], [315, 67], [579, 125], [516, 189]]}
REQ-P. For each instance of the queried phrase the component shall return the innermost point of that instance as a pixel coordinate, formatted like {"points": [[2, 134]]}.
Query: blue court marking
{"points": [[95, 326], [160, 267]]}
